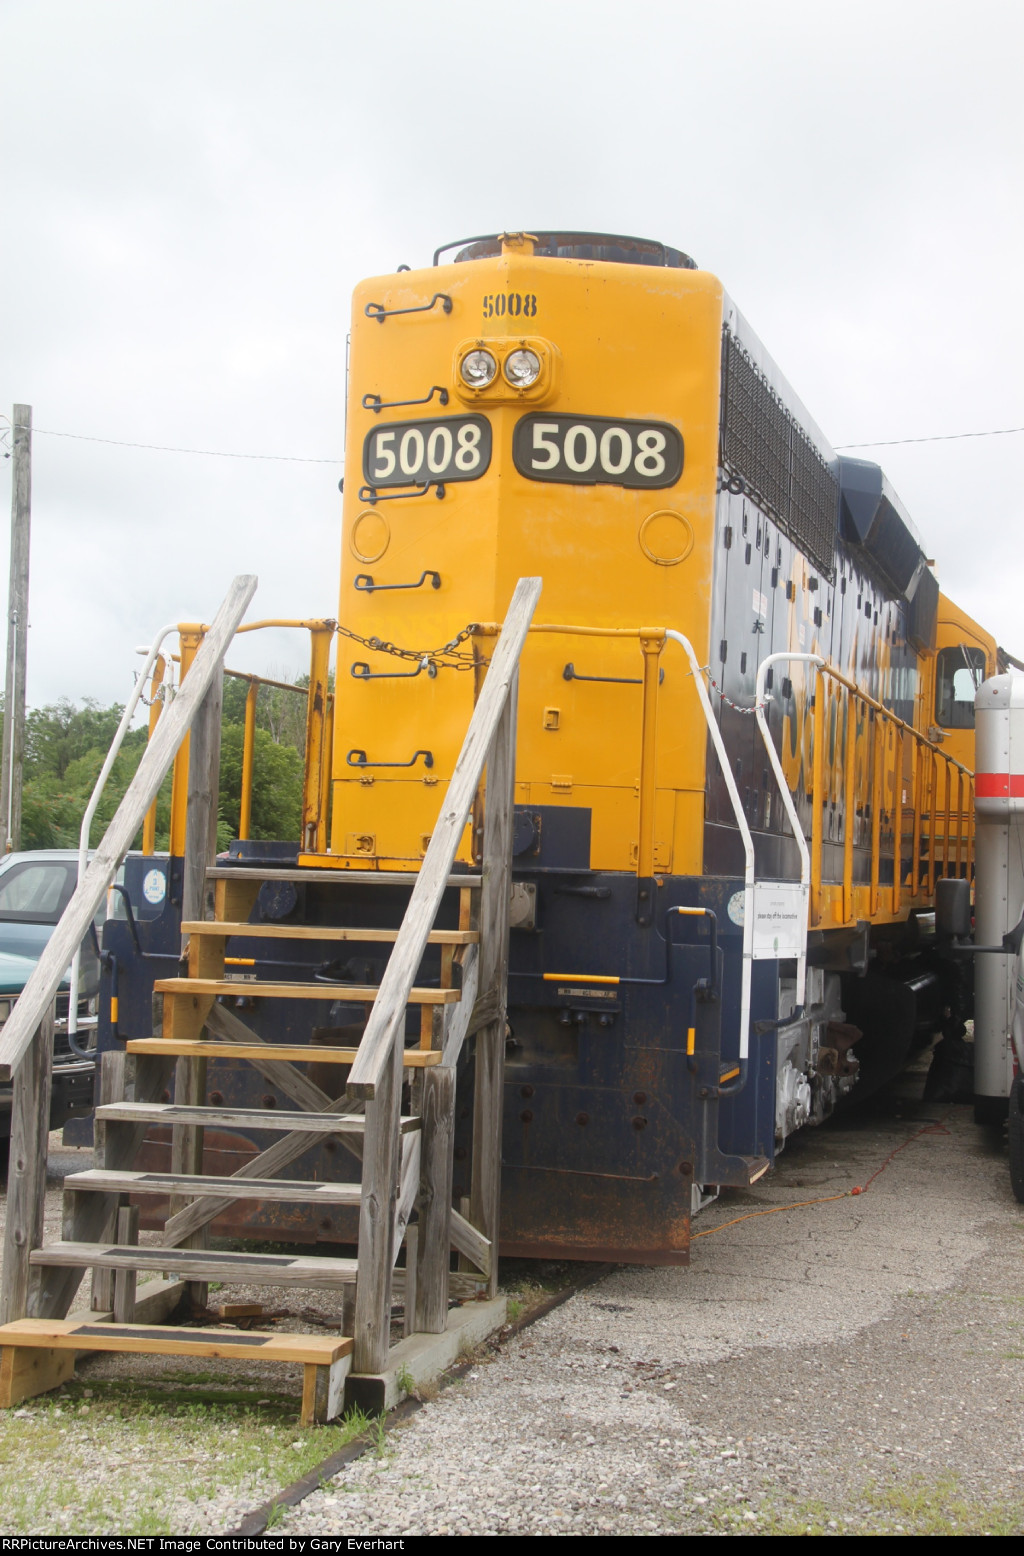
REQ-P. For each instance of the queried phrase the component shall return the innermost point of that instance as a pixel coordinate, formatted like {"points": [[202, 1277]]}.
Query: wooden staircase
{"points": [[404, 1196]]}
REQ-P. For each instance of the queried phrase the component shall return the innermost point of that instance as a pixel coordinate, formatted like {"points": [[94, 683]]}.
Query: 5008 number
{"points": [[414, 453], [592, 450], [513, 305]]}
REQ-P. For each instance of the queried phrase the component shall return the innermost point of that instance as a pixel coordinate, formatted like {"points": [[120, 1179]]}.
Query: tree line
{"points": [[66, 744]]}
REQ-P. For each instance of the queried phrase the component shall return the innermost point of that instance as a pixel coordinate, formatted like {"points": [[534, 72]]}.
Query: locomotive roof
{"points": [[606, 247]]}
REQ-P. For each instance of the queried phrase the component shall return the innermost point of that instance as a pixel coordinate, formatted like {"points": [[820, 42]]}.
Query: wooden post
{"points": [[485, 1195], [17, 632], [112, 1089], [377, 1220], [26, 1179], [126, 1281], [434, 1227]]}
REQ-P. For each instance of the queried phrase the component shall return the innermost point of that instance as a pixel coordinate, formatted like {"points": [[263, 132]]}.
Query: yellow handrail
{"points": [[929, 765], [319, 719]]}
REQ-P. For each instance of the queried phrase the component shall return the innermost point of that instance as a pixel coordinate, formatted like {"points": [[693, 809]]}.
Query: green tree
{"points": [[66, 746], [276, 787], [281, 713], [60, 733]]}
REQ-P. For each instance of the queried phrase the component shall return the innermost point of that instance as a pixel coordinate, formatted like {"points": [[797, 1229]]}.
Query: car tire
{"points": [[1017, 1138]]}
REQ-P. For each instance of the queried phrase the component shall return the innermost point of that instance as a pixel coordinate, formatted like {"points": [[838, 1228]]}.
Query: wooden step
{"points": [[157, 1340], [351, 993], [37, 1354], [290, 1053], [340, 877], [204, 1264], [240, 1118], [217, 929], [200, 1186]]}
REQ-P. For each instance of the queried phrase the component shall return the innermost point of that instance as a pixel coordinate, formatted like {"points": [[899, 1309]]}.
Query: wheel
{"points": [[1017, 1139]]}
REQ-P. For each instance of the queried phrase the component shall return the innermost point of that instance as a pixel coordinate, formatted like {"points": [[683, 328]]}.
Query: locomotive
{"points": [[744, 739]]}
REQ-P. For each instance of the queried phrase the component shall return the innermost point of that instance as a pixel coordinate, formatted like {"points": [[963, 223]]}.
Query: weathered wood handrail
{"points": [[376, 1073], [45, 980], [389, 1008]]}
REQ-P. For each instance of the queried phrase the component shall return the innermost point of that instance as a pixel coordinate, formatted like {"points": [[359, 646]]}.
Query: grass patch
{"points": [[940, 1507], [914, 1505], [142, 1459], [527, 1283]]}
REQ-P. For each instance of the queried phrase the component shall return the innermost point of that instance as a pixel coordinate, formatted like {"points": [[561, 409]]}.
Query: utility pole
{"points": [[17, 633]]}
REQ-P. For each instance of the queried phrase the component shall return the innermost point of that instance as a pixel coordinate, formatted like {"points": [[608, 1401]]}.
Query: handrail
{"points": [[787, 798], [319, 716], [928, 753], [45, 979], [388, 1013], [748, 855]]}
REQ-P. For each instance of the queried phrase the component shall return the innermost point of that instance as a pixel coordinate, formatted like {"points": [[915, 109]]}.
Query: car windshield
{"points": [[35, 889]]}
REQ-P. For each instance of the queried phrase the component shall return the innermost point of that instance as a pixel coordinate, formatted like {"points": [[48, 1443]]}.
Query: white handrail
{"points": [[94, 799], [787, 798], [741, 822]]}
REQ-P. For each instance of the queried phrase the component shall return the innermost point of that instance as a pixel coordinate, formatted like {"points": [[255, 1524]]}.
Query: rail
{"points": [[318, 735], [866, 743], [45, 979], [256, 682], [376, 1074], [941, 835]]}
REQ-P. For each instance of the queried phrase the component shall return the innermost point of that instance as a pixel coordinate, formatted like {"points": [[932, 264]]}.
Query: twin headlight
{"points": [[479, 367]]}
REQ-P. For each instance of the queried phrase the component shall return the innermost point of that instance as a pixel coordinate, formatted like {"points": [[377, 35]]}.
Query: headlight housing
{"points": [[478, 368], [522, 367]]}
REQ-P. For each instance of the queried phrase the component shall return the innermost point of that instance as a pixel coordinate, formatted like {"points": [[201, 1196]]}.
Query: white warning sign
{"points": [[780, 920]]}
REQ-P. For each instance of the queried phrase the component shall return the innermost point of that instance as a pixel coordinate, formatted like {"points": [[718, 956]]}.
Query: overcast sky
{"points": [[192, 187]]}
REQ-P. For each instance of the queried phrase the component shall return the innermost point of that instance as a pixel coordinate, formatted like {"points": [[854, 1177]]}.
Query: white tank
{"points": [[999, 880]]}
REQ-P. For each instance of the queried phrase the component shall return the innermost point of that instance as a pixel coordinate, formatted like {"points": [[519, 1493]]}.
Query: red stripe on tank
{"points": [[998, 786]]}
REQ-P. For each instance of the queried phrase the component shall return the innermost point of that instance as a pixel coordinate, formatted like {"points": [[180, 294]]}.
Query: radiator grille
{"points": [[766, 453]]}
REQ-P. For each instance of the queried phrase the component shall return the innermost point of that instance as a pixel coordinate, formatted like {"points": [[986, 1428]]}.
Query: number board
{"points": [[588, 450], [414, 453]]}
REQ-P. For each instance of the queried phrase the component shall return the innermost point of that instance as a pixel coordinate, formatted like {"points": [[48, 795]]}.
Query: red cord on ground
{"points": [[936, 1128]]}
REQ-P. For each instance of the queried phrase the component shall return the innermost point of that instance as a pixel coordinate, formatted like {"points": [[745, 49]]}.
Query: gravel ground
{"points": [[848, 1366]]}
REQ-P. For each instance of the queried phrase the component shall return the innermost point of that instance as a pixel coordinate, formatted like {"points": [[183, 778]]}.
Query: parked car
{"points": [[35, 888]]}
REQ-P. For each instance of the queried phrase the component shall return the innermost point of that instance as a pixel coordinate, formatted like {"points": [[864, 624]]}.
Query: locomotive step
{"points": [[218, 929], [240, 1118], [200, 1186], [290, 1053], [352, 993], [252, 1269], [340, 877], [34, 1355], [65, 1334]]}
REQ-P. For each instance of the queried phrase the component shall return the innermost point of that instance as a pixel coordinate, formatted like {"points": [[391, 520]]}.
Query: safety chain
{"points": [[446, 658], [706, 670]]}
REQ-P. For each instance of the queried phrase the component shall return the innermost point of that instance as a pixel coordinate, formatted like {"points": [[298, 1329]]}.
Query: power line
{"points": [[300, 459], [165, 448], [938, 437]]}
